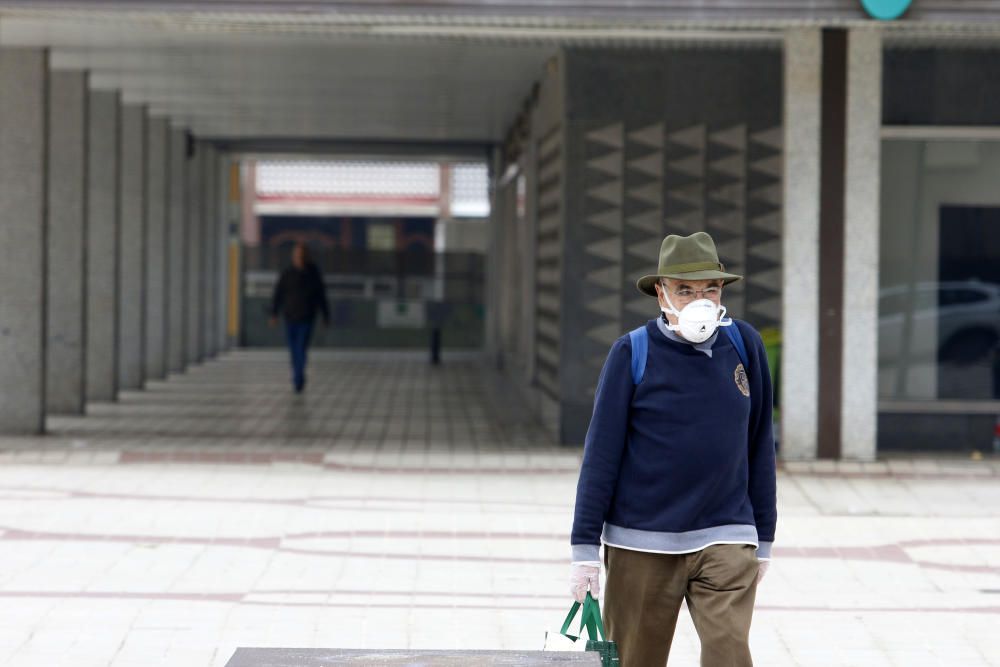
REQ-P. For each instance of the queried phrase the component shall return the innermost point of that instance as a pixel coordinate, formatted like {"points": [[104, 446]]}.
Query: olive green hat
{"points": [[687, 258]]}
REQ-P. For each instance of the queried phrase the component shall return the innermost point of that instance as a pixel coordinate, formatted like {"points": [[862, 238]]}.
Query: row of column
{"points": [[112, 244]]}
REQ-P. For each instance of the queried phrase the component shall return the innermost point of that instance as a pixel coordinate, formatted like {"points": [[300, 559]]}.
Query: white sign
{"points": [[397, 314]]}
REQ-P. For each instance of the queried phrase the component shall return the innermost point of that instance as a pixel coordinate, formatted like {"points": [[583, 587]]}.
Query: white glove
{"points": [[764, 564], [583, 576]]}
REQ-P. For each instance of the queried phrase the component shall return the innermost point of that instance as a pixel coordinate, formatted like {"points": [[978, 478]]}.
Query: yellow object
{"points": [[233, 321], [771, 336], [234, 182]]}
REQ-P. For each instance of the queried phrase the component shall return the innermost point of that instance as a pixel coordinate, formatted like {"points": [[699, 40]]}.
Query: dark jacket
{"points": [[685, 458], [299, 294]]}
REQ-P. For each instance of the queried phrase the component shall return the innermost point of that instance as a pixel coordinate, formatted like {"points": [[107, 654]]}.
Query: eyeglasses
{"points": [[708, 293]]}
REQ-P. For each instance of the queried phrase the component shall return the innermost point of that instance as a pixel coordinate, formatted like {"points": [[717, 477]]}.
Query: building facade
{"points": [[846, 165]]}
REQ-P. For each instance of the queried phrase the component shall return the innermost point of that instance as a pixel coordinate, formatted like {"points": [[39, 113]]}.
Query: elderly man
{"points": [[678, 472]]}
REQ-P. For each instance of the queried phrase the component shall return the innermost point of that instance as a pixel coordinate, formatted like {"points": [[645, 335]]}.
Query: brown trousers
{"points": [[643, 598]]}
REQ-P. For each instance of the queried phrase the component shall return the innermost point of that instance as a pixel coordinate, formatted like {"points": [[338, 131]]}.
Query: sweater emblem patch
{"points": [[741, 380]]}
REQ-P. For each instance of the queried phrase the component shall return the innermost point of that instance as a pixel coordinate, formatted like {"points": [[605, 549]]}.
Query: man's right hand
{"points": [[585, 576], [272, 322]]}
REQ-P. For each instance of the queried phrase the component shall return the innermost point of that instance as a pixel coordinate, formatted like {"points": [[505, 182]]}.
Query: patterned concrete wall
{"points": [[547, 184], [598, 272], [763, 228], [644, 215], [548, 261], [661, 142]]}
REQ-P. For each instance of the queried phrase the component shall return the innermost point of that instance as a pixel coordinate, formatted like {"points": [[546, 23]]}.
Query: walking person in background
{"points": [[298, 296], [678, 472]]}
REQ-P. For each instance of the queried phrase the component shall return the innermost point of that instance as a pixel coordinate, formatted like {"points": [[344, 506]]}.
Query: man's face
{"points": [[683, 292], [298, 257]]}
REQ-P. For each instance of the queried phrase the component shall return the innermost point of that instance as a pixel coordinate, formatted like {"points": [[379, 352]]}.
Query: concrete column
{"points": [[177, 267], [229, 208], [218, 261], [104, 122], [859, 399], [195, 286], [132, 248], [210, 244], [157, 132], [800, 244], [491, 300], [65, 364], [23, 151], [529, 250]]}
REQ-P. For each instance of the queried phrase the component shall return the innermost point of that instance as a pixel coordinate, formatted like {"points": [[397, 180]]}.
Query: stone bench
{"points": [[327, 657]]}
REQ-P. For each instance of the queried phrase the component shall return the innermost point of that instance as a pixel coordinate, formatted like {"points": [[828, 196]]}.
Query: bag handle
{"points": [[590, 619]]}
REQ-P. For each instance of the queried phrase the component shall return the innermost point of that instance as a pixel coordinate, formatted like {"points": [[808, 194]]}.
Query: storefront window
{"points": [[939, 296]]}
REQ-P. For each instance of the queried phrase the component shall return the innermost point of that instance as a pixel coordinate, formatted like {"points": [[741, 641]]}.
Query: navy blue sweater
{"points": [[684, 459]]}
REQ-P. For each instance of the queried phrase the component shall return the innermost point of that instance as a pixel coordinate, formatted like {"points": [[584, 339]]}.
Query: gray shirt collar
{"points": [[704, 346]]}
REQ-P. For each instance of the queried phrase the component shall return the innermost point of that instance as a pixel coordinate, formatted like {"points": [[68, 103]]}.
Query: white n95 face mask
{"points": [[698, 320]]}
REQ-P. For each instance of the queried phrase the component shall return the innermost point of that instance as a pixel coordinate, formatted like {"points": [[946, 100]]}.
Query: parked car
{"points": [[951, 322]]}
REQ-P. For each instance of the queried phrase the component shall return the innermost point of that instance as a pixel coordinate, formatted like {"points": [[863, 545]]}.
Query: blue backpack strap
{"points": [[640, 341], [736, 337]]}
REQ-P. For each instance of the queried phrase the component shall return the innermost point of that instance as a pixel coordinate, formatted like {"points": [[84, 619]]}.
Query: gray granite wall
{"points": [[66, 263], [132, 247], [103, 228], [177, 259], [196, 193], [210, 252], [23, 150], [157, 250]]}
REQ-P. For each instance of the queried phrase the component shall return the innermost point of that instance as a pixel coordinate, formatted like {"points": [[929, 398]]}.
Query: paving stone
{"points": [[218, 509]]}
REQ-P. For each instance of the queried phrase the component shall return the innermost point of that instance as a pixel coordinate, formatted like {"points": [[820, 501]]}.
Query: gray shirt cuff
{"points": [[764, 550], [586, 552]]}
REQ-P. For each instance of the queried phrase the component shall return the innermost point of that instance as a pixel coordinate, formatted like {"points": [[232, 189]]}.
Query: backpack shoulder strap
{"points": [[640, 341], [737, 338]]}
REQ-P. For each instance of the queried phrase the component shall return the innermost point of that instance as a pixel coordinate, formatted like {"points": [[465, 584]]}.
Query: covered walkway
{"points": [[385, 406], [396, 505]]}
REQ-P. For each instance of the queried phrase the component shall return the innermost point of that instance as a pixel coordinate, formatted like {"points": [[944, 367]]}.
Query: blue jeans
{"points": [[297, 334]]}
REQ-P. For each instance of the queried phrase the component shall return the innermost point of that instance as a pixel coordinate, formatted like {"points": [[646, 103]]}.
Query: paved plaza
{"points": [[396, 505]]}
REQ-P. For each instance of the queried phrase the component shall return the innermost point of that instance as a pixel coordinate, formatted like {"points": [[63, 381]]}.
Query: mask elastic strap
{"points": [[673, 309], [723, 322]]}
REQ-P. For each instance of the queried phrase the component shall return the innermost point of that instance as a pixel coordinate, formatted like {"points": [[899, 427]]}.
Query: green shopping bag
{"points": [[591, 620]]}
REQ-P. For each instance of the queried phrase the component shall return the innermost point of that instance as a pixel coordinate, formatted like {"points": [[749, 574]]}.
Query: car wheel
{"points": [[968, 347]]}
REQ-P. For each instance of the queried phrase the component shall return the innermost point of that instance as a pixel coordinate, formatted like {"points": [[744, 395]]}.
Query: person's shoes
{"points": [[299, 386]]}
